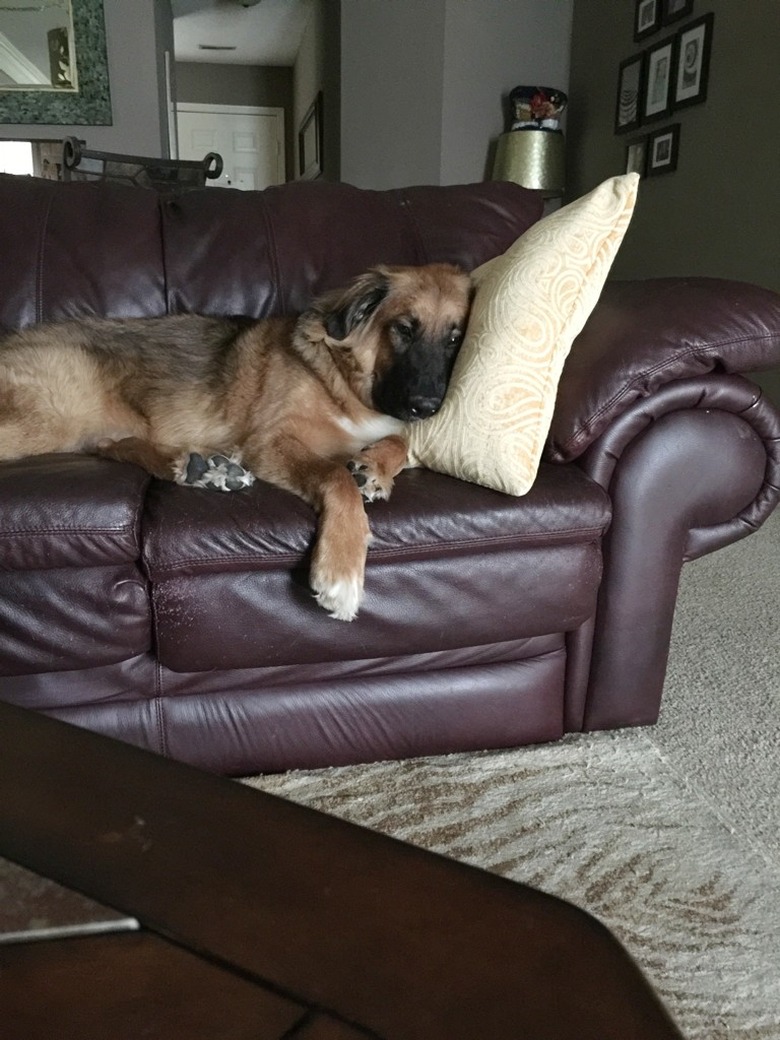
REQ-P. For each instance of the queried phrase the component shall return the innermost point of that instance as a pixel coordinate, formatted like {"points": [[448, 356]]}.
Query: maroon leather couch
{"points": [[181, 620]]}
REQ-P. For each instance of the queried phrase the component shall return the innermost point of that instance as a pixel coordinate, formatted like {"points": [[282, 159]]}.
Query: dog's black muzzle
{"points": [[396, 401], [415, 385]]}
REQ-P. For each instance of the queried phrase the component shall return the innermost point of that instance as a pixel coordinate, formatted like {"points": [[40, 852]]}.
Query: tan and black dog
{"points": [[315, 405]]}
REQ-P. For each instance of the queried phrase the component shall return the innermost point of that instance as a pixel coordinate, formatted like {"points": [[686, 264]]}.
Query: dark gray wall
{"points": [[329, 26], [209, 84], [718, 214]]}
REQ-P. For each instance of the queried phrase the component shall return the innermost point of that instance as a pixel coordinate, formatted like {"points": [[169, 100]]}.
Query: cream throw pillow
{"points": [[529, 305]]}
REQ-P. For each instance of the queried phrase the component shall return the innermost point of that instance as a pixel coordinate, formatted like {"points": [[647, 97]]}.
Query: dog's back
{"points": [[69, 385]]}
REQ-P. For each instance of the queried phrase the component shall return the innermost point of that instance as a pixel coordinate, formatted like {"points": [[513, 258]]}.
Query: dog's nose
{"points": [[423, 407]]}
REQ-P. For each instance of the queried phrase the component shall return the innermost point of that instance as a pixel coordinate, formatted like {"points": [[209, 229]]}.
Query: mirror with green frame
{"points": [[53, 64]]}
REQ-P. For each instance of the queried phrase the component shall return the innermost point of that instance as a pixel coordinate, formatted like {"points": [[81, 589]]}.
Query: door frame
{"points": [[244, 110]]}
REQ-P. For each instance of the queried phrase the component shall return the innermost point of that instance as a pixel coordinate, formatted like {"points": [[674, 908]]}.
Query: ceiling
{"points": [[268, 32]]}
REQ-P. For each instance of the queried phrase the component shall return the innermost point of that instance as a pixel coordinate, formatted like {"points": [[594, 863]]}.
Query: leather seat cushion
{"points": [[229, 571], [69, 511], [72, 618], [72, 595], [188, 531]]}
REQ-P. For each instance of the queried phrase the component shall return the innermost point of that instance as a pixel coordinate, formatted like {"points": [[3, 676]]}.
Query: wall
{"points": [[212, 84], [331, 58], [423, 85], [318, 69], [163, 47], [491, 47], [307, 71], [392, 56], [137, 33], [226, 84], [718, 214]]}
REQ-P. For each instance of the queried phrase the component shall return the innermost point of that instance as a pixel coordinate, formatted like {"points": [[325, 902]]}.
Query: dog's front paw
{"points": [[341, 597], [216, 472], [371, 486]]}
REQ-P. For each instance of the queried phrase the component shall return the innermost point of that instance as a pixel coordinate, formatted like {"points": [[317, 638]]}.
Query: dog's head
{"points": [[398, 331]]}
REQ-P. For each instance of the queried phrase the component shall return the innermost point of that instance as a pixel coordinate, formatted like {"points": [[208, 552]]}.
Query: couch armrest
{"points": [[689, 469], [645, 334]]}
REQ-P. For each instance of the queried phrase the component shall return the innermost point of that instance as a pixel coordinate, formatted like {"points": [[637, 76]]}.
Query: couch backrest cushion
{"points": [[112, 250], [70, 250], [270, 252]]}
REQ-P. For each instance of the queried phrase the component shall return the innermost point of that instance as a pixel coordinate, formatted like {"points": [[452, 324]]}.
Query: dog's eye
{"points": [[404, 329], [455, 337]]}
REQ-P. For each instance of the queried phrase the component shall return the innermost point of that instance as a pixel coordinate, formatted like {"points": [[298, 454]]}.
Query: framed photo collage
{"points": [[669, 74]]}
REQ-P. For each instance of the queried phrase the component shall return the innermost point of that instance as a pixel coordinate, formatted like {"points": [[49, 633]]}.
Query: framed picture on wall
{"points": [[647, 18], [628, 104], [659, 66], [310, 142], [693, 62], [636, 156], [673, 10], [662, 150]]}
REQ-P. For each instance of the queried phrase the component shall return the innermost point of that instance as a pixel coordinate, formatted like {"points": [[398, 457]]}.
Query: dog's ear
{"points": [[342, 314]]}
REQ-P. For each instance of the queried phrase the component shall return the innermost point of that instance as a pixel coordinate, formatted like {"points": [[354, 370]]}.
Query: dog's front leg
{"points": [[339, 555], [157, 460], [375, 468], [339, 558]]}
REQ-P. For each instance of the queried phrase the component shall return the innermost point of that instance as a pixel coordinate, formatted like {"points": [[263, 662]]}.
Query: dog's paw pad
{"points": [[367, 481], [195, 468], [216, 472], [358, 471]]}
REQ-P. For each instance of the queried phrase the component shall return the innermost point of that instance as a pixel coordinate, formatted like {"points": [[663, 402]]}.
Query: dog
{"points": [[316, 405]]}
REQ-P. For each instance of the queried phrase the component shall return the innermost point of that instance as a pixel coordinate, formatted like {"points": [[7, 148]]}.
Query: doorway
{"points": [[249, 138]]}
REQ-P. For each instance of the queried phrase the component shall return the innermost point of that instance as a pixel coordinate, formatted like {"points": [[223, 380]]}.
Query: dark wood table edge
{"points": [[298, 900]]}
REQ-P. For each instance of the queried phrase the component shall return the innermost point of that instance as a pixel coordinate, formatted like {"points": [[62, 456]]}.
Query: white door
{"points": [[249, 139]]}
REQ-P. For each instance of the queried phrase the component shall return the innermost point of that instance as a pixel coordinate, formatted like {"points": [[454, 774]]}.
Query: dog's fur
{"points": [[316, 406]]}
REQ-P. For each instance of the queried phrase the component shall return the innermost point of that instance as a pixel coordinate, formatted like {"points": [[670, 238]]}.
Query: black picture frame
{"points": [[692, 67], [663, 149], [636, 156], [629, 97], [647, 18], [659, 73], [310, 156], [674, 10]]}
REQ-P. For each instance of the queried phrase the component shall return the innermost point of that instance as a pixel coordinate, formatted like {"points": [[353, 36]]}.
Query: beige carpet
{"points": [[670, 835]]}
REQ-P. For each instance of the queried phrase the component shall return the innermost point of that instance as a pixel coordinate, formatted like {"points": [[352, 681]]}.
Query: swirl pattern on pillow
{"points": [[529, 305]]}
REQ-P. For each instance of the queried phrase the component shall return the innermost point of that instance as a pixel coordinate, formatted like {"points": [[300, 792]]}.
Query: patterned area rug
{"points": [[668, 835]]}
